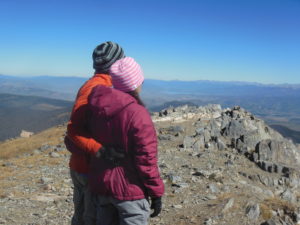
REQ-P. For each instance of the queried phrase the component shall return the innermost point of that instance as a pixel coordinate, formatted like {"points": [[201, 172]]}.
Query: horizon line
{"points": [[170, 80]]}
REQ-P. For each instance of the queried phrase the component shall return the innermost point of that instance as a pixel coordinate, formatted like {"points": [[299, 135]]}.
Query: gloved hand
{"points": [[100, 152], [156, 205], [110, 154]]}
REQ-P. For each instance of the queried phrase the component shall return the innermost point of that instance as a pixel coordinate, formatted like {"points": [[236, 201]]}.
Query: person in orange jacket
{"points": [[104, 55]]}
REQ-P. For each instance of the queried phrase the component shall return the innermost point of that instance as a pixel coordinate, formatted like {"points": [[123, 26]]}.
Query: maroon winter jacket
{"points": [[117, 119]]}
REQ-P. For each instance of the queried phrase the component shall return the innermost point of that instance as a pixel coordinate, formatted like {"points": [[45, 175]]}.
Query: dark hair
{"points": [[137, 97]]}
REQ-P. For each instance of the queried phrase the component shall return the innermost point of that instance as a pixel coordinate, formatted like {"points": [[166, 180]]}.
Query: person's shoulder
{"points": [[91, 83], [138, 109], [100, 80], [99, 93]]}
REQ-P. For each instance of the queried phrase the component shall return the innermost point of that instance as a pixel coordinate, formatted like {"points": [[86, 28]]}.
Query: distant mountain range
{"points": [[66, 88], [44, 86], [276, 104], [218, 88]]}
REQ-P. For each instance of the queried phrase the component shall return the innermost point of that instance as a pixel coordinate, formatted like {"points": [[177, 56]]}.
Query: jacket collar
{"points": [[104, 76]]}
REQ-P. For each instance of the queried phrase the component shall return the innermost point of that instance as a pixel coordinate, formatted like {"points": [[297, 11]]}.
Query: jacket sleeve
{"points": [[72, 147], [77, 127], [77, 132], [145, 152]]}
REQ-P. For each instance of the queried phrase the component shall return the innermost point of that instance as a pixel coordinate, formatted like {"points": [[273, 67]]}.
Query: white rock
{"points": [[177, 206], [46, 197], [228, 205], [26, 134], [54, 155], [253, 211]]}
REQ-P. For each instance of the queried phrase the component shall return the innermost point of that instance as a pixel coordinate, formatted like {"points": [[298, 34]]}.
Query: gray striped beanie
{"points": [[105, 55]]}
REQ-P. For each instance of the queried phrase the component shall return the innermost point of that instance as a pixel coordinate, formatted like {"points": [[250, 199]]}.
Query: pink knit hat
{"points": [[126, 74]]}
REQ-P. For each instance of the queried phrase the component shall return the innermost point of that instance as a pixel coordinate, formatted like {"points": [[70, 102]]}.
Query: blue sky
{"points": [[225, 40]]}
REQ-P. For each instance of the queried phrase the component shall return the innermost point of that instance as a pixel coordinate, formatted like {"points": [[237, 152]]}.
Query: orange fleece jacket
{"points": [[76, 129]]}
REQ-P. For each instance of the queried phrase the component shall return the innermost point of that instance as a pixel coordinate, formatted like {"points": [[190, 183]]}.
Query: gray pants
{"points": [[84, 207], [111, 211]]}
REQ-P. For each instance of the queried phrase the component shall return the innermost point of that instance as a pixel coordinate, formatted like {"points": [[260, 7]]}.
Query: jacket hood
{"points": [[107, 102]]}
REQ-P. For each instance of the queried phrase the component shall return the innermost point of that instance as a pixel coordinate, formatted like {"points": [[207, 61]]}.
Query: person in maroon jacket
{"points": [[120, 120]]}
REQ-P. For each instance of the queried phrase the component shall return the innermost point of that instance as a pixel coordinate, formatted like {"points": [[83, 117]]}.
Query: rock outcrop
{"points": [[215, 129]]}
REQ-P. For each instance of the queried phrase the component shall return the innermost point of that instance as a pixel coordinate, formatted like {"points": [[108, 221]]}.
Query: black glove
{"points": [[156, 205], [99, 153], [110, 154]]}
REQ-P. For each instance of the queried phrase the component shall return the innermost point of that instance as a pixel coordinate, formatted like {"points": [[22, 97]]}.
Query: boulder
{"points": [[253, 211], [26, 134]]}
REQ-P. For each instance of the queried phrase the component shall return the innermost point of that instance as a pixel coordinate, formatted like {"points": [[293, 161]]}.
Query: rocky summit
{"points": [[220, 166]]}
